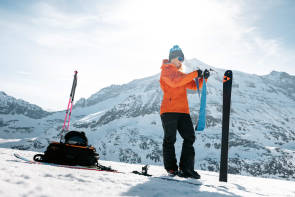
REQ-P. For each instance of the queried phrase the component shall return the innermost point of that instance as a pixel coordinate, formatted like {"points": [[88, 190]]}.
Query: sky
{"points": [[109, 42]]}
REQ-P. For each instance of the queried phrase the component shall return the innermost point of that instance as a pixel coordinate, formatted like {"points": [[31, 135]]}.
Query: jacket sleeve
{"points": [[191, 85], [176, 78]]}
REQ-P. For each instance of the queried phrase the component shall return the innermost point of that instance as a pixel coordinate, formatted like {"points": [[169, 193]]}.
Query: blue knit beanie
{"points": [[175, 51]]}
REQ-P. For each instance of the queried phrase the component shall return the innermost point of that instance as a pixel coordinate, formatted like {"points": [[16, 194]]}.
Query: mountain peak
{"points": [[11, 105], [3, 93], [193, 64], [278, 76]]}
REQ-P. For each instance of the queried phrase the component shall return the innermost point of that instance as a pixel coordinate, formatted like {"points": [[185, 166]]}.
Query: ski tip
{"points": [[228, 75], [17, 155]]}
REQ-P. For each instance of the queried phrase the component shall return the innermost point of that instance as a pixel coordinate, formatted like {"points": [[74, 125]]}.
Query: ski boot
{"points": [[172, 173], [189, 174]]}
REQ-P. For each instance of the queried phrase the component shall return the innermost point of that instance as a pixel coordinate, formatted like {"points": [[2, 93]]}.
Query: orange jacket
{"points": [[174, 84]]}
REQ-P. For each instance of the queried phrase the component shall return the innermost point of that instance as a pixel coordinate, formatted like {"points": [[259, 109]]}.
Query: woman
{"points": [[175, 114]]}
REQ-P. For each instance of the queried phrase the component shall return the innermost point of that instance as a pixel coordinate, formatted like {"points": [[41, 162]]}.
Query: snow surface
{"points": [[22, 179]]}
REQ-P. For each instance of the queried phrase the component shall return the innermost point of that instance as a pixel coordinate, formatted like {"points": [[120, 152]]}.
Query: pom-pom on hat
{"points": [[175, 51]]}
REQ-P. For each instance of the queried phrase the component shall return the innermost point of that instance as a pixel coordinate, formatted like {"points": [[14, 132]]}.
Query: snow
{"points": [[22, 179]]}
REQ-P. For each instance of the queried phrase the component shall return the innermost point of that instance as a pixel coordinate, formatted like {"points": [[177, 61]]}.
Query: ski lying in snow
{"points": [[102, 168], [180, 180], [143, 173]]}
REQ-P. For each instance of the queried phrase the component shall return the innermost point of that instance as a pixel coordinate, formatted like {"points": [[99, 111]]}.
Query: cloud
{"points": [[116, 41], [213, 31], [24, 73], [51, 16]]}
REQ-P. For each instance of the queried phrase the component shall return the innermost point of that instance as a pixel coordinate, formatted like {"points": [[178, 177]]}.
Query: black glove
{"points": [[206, 74], [199, 73]]}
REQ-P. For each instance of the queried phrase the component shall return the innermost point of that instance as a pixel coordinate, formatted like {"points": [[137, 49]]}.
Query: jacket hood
{"points": [[167, 64]]}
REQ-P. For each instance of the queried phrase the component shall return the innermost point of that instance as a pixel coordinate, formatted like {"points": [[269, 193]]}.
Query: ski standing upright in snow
{"points": [[227, 87]]}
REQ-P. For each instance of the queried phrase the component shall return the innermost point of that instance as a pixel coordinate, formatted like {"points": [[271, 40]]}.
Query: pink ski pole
{"points": [[70, 116], [66, 114], [71, 100]]}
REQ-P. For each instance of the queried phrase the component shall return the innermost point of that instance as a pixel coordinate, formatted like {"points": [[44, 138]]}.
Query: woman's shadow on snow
{"points": [[163, 188]]}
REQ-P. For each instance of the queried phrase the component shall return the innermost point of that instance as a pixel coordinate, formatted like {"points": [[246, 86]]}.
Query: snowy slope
{"points": [[123, 123], [22, 179]]}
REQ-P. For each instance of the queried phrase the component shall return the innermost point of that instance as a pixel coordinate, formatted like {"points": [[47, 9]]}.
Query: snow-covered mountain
{"points": [[10, 105], [123, 123], [23, 179]]}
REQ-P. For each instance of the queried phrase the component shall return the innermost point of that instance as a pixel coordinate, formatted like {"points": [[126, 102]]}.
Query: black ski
{"points": [[227, 86], [144, 171], [94, 168]]}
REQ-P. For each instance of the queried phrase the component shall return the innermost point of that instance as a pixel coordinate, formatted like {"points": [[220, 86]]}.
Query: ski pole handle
{"points": [[74, 84]]}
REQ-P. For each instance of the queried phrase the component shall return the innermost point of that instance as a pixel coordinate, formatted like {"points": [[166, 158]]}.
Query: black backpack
{"points": [[75, 151], [76, 138]]}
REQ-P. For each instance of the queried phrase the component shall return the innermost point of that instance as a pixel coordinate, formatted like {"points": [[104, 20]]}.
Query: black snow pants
{"points": [[171, 123]]}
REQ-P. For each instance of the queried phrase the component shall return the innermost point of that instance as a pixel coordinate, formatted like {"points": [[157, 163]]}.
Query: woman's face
{"points": [[176, 62]]}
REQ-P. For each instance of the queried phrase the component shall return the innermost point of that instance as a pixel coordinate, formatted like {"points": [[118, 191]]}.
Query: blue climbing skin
{"points": [[198, 87], [202, 114]]}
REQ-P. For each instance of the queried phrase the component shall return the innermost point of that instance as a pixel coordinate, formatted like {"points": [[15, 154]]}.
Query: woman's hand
{"points": [[199, 73], [206, 74]]}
